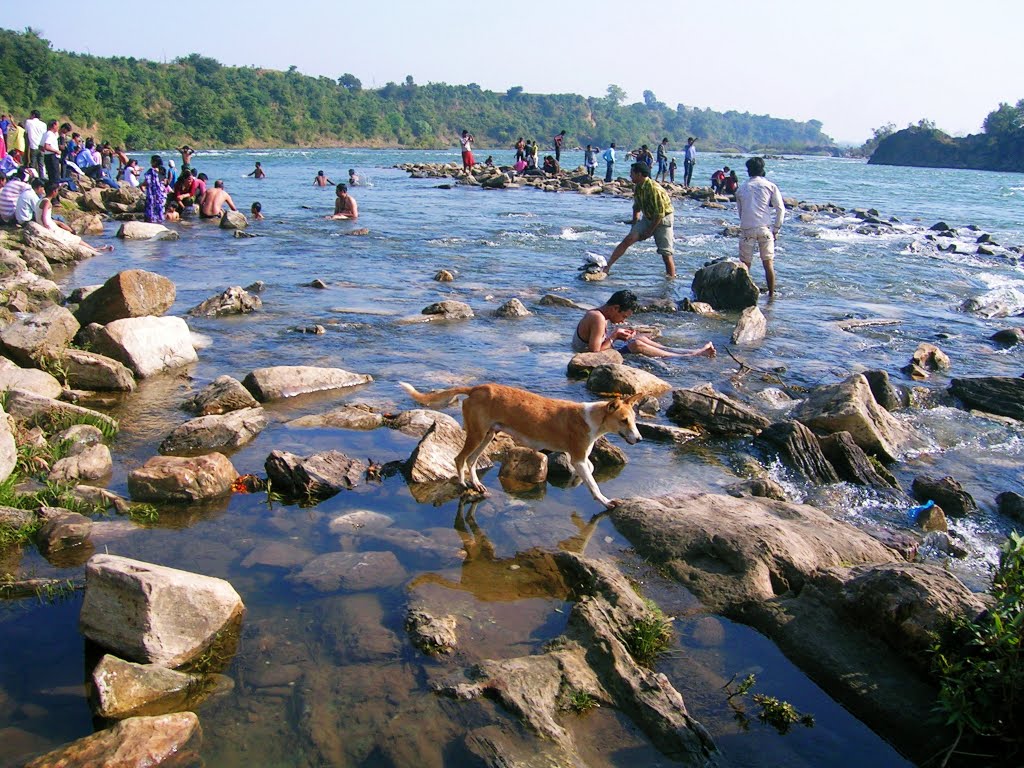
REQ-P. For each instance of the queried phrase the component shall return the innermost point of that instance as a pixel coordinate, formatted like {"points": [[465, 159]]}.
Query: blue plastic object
{"points": [[913, 512]]}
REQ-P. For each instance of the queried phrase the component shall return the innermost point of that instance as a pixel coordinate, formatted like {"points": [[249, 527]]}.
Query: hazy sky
{"points": [[854, 66]]}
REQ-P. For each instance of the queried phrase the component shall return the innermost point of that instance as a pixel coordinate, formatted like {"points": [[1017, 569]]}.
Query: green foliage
{"points": [[980, 665], [143, 104], [779, 714], [146, 514], [581, 701], [650, 635], [1006, 121], [55, 421], [16, 535]]}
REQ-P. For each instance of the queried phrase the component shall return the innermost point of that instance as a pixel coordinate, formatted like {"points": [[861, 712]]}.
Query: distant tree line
{"points": [[141, 104]]}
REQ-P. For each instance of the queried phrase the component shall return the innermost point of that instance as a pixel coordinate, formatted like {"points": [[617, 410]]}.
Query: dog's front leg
{"points": [[584, 469]]}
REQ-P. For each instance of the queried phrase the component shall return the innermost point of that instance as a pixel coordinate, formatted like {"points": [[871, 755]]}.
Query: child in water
{"points": [[257, 211]]}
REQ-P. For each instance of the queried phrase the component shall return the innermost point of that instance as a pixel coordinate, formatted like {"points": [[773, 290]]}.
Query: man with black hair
{"points": [[761, 210], [653, 202]]}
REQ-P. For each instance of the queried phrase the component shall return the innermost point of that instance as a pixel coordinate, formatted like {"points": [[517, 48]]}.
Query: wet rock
{"points": [[941, 541], [318, 284], [444, 276], [233, 220], [13, 376], [605, 454], [123, 689], [449, 310], [130, 293], [278, 554], [434, 635], [930, 358], [25, 406], [703, 408], [92, 463], [442, 544], [932, 519], [849, 406], [234, 301], [154, 614], [554, 300], [940, 226], [343, 417], [355, 626], [43, 334], [522, 468], [625, 380], [1011, 504], [946, 492], [141, 230], [147, 345], [182, 479], [1001, 395], [759, 487], [1008, 336], [664, 433], [799, 449], [725, 284], [62, 529], [223, 395], [319, 475], [583, 363], [512, 308], [289, 380], [751, 326], [215, 432], [360, 521], [95, 372], [171, 741], [351, 572], [417, 421], [697, 307], [886, 394], [851, 463]]}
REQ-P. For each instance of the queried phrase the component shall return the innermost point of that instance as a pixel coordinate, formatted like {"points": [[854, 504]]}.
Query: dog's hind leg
{"points": [[479, 432]]}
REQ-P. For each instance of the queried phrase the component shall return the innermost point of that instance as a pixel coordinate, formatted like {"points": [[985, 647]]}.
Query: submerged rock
{"points": [[289, 380]]}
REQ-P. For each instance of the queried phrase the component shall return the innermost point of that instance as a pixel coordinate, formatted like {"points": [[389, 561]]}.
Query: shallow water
{"points": [[332, 680]]}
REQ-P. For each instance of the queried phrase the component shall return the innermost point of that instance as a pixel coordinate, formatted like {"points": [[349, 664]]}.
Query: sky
{"points": [[853, 66]]}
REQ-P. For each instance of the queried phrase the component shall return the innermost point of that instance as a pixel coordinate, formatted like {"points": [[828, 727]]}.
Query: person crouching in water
{"points": [[596, 332]]}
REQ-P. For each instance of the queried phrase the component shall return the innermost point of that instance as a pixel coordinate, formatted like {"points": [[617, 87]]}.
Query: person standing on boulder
{"points": [[466, 140], [609, 158], [653, 202], [558, 146], [689, 160], [759, 204]]}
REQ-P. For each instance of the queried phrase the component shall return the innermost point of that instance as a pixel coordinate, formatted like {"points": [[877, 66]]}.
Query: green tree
{"points": [[615, 94]]}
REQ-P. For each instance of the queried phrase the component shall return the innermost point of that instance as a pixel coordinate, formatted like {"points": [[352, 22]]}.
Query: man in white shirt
{"points": [[34, 130], [762, 212], [25, 208], [48, 146]]}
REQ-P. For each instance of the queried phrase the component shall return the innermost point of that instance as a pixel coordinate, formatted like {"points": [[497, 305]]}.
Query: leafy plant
{"points": [[55, 421], [143, 513], [581, 701], [11, 535], [777, 713], [650, 635], [980, 666]]}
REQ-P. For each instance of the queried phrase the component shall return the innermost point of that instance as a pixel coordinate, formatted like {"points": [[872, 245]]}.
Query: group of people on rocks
{"points": [[170, 195]]}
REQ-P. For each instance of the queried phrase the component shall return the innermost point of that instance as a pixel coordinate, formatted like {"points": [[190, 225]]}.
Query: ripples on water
{"points": [[342, 690]]}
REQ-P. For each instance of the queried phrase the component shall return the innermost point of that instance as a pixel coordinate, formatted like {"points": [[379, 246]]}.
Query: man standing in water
{"points": [[653, 202], [345, 206], [759, 203], [689, 160]]}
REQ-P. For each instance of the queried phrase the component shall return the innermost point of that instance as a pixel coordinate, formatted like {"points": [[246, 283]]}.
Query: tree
{"points": [[616, 95], [878, 134], [350, 82], [1006, 120], [650, 99], [514, 91], [409, 82]]}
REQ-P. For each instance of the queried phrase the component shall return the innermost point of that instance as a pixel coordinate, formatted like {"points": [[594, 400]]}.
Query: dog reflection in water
{"points": [[532, 573]]}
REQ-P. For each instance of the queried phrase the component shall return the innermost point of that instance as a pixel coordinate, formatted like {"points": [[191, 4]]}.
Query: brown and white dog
{"points": [[535, 421]]}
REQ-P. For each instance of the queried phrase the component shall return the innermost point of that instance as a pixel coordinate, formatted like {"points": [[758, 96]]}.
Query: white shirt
{"points": [[25, 208], [49, 138], [131, 175], [755, 199], [467, 143], [34, 130]]}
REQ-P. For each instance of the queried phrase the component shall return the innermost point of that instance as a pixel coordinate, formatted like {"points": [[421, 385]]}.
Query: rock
{"points": [[179, 479], [141, 230], [852, 464], [449, 310], [946, 492], [131, 293], [697, 307], [1008, 336], [360, 521], [1011, 504], [799, 450], [444, 276], [79, 437], [123, 689], [930, 358], [849, 406], [317, 476], [932, 519], [355, 626], [318, 284], [522, 468], [664, 433], [940, 226], [583, 363], [351, 572], [233, 220], [915, 371], [43, 334], [433, 459], [593, 277], [12, 517], [759, 487], [234, 301], [885, 393], [625, 380], [96, 372], [416, 422], [25, 406], [1001, 395], [216, 432], [751, 326], [154, 614], [12, 376], [725, 285], [57, 245], [289, 380], [553, 300], [434, 635], [171, 741], [343, 417], [278, 554], [93, 463], [223, 395], [147, 345], [62, 529], [704, 408], [512, 308]]}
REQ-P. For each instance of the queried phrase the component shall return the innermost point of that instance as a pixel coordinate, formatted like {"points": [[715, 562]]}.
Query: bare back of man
{"points": [[212, 204]]}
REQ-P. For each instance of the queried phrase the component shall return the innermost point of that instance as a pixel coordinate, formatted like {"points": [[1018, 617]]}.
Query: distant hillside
{"points": [[195, 99], [999, 148]]}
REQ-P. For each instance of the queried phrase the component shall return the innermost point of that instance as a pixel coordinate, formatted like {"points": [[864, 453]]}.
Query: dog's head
{"points": [[621, 419]]}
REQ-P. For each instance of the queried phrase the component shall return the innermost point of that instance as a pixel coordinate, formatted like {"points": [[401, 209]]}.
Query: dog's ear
{"points": [[632, 400]]}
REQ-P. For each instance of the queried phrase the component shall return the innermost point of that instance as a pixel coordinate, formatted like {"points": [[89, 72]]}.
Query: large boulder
{"points": [[849, 406], [13, 376], [1001, 395], [704, 408], [154, 614], [170, 741], [317, 476], [43, 334], [625, 380], [233, 220], [131, 293], [123, 689], [147, 345], [222, 395], [56, 245], [93, 371], [725, 285], [289, 380], [233, 301], [799, 449], [215, 432], [142, 230], [182, 479]]}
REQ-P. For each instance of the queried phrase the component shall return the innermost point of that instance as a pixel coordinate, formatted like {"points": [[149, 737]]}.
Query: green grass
{"points": [[146, 514], [11, 536], [650, 636], [580, 701]]}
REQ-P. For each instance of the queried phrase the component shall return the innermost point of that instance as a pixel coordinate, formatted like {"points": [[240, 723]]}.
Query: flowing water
{"points": [[331, 679]]}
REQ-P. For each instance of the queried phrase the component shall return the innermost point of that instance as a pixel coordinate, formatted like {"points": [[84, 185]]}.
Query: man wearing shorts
{"points": [[762, 212], [653, 202]]}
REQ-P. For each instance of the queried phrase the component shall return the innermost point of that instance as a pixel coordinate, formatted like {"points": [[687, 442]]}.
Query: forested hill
{"points": [[195, 99]]}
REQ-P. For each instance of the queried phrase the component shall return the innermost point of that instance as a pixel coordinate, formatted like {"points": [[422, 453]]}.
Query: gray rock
{"points": [[25, 406], [583, 363], [12, 376], [223, 395], [317, 476], [1011, 504], [416, 422], [703, 408], [233, 220], [852, 464], [43, 334], [359, 522], [62, 529], [125, 689], [343, 417], [554, 300], [12, 517], [182, 479], [351, 572], [141, 230], [92, 463], [147, 345], [886, 394], [799, 449], [946, 492], [234, 301], [434, 635], [96, 372], [522, 468], [131, 293], [751, 326], [512, 308], [1008, 336], [449, 310], [216, 432], [725, 285], [625, 380], [290, 380], [57, 245], [1001, 395]]}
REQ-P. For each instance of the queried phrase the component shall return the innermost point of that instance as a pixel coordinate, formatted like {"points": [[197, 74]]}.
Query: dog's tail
{"points": [[436, 399]]}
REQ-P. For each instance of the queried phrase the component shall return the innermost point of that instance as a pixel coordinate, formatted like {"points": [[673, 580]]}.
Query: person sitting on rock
{"points": [[550, 165], [213, 202], [45, 218], [596, 332]]}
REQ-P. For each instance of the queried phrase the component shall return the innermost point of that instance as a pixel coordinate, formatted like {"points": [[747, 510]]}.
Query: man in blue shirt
{"points": [[689, 160], [609, 158]]}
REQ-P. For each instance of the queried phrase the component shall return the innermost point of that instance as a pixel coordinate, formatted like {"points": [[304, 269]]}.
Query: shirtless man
{"points": [[596, 332], [212, 204], [345, 205], [258, 172], [320, 180], [186, 155]]}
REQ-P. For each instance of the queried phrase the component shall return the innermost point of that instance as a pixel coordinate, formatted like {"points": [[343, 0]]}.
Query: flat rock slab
{"points": [[142, 230], [343, 417], [217, 432], [154, 614], [26, 406], [289, 380], [351, 572], [125, 689], [1001, 395], [182, 479]]}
